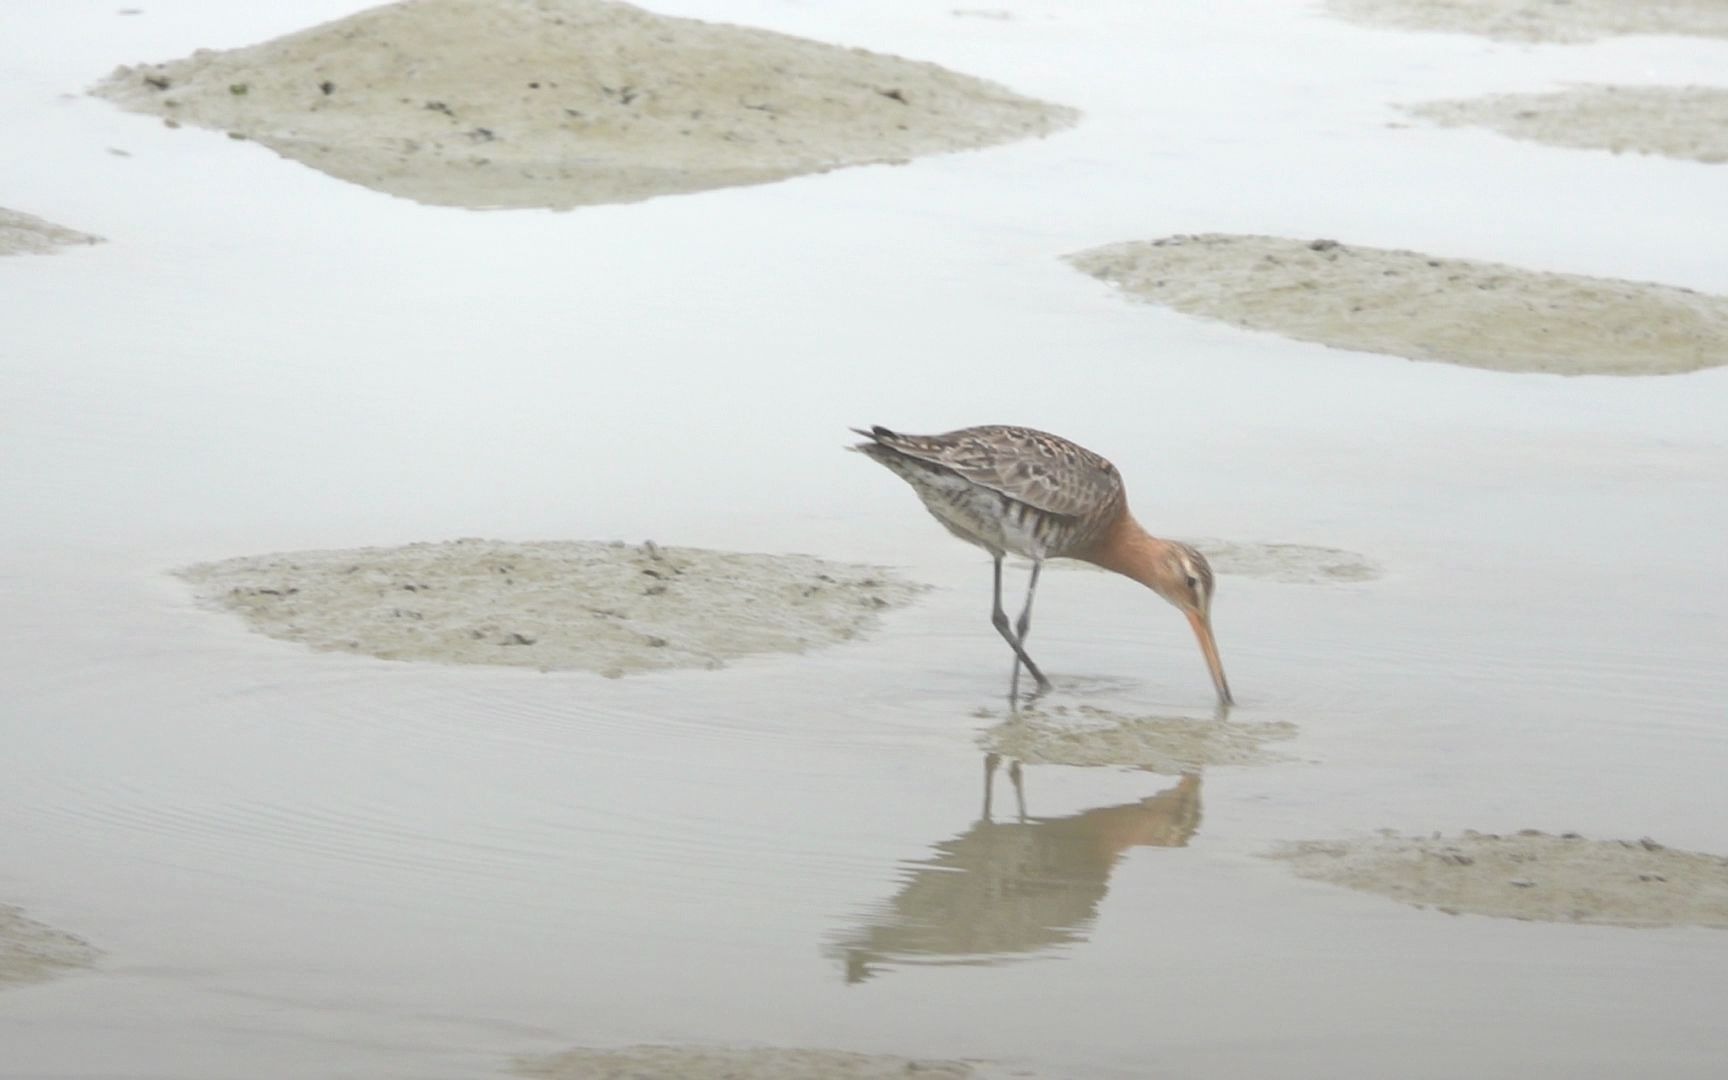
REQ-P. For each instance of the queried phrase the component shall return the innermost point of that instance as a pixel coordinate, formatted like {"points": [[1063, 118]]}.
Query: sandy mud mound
{"points": [[1172, 745], [1288, 564], [1542, 20], [555, 606], [1675, 121], [725, 1063], [23, 234], [1405, 303], [562, 103], [1530, 875], [32, 952]]}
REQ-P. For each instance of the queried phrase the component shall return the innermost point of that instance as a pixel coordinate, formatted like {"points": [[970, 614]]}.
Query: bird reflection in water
{"points": [[1003, 888]]}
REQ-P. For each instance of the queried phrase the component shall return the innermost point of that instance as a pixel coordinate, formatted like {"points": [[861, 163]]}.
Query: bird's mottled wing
{"points": [[1034, 467]]}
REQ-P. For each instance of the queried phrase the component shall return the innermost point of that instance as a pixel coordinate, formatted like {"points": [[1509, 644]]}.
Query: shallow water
{"points": [[317, 864]]}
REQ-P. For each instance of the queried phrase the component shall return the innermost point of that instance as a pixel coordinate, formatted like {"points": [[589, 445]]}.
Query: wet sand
{"points": [[1088, 735], [26, 234], [564, 103], [609, 608], [32, 952], [1288, 564], [1528, 875], [1569, 22], [1687, 122], [727, 1063], [1405, 303]]}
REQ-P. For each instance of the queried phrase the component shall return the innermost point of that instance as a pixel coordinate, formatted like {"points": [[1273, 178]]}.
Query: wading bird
{"points": [[1013, 489]]}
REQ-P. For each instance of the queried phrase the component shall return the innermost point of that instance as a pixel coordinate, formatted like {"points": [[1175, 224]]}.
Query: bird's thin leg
{"points": [[999, 619], [1023, 624], [1018, 777], [991, 761]]}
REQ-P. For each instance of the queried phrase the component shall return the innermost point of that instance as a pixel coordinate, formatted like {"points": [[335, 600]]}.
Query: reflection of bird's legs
{"points": [[991, 761], [999, 619], [1021, 626]]}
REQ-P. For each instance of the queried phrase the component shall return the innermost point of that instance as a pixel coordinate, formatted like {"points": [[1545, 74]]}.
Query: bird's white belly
{"points": [[982, 517]]}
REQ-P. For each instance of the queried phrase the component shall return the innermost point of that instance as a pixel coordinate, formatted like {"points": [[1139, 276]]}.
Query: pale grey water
{"points": [[307, 864]]}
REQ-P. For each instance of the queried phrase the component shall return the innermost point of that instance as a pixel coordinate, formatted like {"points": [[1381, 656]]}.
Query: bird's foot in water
{"points": [[1016, 698]]}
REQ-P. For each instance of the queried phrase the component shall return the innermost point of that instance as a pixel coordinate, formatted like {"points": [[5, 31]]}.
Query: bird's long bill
{"points": [[1203, 630]]}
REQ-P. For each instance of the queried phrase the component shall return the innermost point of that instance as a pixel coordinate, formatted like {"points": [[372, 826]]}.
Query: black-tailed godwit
{"points": [[1039, 496]]}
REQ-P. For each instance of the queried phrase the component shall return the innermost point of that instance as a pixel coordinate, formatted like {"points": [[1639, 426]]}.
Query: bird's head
{"points": [[1187, 579], [1181, 575]]}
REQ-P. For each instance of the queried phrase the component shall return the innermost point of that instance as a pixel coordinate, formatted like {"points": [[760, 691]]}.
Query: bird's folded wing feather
{"points": [[1040, 470]]}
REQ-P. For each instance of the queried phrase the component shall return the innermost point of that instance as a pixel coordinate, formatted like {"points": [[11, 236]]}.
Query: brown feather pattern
{"points": [[1056, 495]]}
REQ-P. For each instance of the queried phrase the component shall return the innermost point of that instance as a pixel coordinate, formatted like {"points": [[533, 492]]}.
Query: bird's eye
{"points": [[1194, 583]]}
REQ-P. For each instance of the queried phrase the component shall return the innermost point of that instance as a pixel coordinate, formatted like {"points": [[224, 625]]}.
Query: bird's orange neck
{"points": [[1131, 551]]}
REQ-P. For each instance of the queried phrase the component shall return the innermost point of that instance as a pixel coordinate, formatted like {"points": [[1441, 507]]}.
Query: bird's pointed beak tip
{"points": [[1209, 648]]}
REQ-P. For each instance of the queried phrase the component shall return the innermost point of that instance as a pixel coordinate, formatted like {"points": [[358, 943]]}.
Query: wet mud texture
{"points": [[564, 103], [32, 952], [743, 1063], [1566, 21], [24, 234], [1405, 303], [1287, 564], [1172, 745], [1528, 875], [1689, 122], [573, 605]]}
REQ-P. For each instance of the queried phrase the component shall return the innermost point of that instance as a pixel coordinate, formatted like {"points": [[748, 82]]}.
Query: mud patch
{"points": [[32, 952], [1289, 564], [1569, 21], [1688, 122], [727, 1063], [555, 606], [25, 234], [1172, 745], [1405, 303], [563, 103], [1529, 875]]}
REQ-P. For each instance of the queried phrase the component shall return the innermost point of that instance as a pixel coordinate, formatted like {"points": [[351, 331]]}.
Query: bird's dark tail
{"points": [[876, 434]]}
